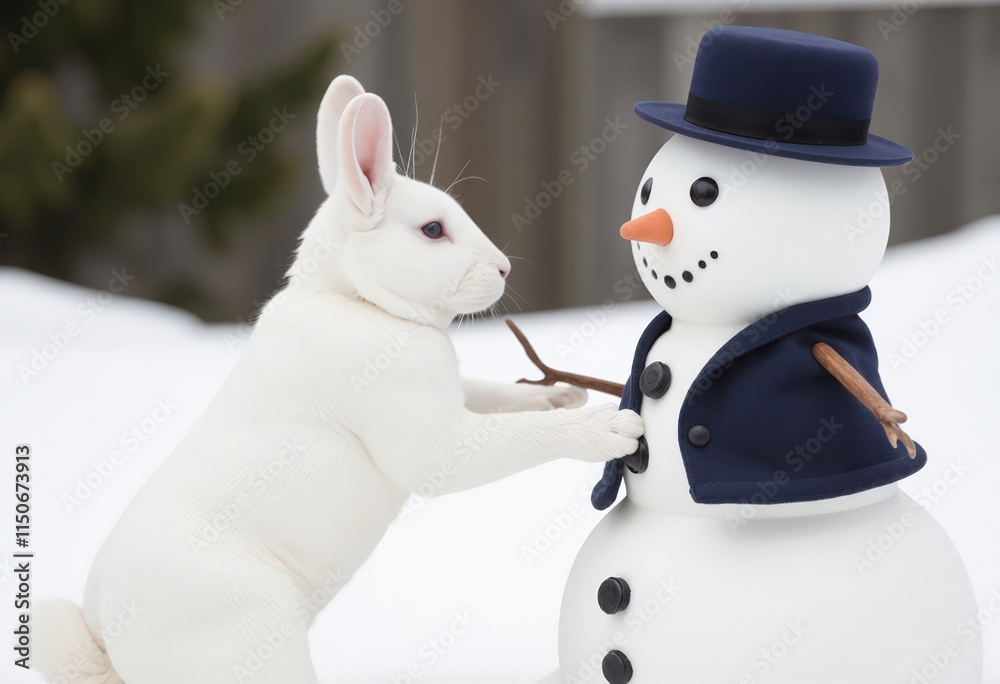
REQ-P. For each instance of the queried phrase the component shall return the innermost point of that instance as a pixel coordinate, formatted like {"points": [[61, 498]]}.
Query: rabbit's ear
{"points": [[342, 90], [365, 150]]}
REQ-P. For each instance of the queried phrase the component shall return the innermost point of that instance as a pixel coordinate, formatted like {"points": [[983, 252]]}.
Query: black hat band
{"points": [[778, 126]]}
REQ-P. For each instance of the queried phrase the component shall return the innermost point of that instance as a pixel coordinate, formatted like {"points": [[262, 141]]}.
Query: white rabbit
{"points": [[347, 397]]}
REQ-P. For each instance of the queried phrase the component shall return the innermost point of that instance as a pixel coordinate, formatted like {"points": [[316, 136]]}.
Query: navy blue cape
{"points": [[773, 413]]}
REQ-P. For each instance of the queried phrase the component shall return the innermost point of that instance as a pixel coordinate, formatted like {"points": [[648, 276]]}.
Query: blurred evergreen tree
{"points": [[69, 67]]}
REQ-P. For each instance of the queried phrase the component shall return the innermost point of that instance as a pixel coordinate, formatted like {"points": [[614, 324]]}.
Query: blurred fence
{"points": [[537, 95]]}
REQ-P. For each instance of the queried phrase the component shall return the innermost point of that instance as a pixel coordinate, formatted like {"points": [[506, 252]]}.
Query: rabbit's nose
{"points": [[503, 265]]}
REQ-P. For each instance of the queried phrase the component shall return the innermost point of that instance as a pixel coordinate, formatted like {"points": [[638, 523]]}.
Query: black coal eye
{"points": [[433, 230], [704, 191], [647, 188]]}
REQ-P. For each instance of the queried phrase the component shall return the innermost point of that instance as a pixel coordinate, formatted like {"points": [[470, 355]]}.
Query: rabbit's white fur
{"points": [[347, 397]]}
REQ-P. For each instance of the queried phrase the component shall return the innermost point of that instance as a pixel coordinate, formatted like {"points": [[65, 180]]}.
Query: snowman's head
{"points": [[722, 235]]}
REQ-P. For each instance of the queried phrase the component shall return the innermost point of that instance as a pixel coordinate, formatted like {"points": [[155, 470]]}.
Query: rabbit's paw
{"points": [[543, 398], [606, 433]]}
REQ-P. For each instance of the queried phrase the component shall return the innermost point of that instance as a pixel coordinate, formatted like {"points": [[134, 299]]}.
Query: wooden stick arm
{"points": [[551, 376], [856, 384], [851, 379]]}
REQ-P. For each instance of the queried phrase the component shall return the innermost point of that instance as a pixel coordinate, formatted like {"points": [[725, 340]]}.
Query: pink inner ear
{"points": [[372, 136], [365, 142]]}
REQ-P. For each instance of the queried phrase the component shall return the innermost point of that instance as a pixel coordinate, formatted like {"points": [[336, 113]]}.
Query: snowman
{"points": [[763, 537]]}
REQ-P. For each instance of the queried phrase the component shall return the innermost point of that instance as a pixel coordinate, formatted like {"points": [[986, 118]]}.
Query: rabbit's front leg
{"points": [[415, 426], [485, 396], [458, 449]]}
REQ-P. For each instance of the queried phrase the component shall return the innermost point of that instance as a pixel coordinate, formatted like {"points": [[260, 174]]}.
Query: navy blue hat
{"points": [[784, 93]]}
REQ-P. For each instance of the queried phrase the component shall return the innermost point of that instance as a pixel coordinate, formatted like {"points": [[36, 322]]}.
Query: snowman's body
{"points": [[857, 589], [782, 594]]}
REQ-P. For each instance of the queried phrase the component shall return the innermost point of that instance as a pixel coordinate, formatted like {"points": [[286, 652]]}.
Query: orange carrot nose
{"points": [[656, 228]]}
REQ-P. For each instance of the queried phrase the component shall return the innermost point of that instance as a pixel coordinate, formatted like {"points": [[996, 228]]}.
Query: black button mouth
{"points": [[687, 276]]}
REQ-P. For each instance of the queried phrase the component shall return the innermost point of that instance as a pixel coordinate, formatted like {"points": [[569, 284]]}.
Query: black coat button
{"points": [[616, 668], [613, 595], [699, 435], [638, 461], [655, 380]]}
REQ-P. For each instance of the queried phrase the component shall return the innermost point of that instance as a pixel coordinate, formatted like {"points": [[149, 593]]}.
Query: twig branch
{"points": [[855, 383], [551, 376]]}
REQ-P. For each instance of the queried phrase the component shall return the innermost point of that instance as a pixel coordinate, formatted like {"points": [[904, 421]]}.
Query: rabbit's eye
{"points": [[433, 230]]}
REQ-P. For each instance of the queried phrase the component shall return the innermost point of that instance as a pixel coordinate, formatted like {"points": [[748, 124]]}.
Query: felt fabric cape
{"points": [[782, 428]]}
